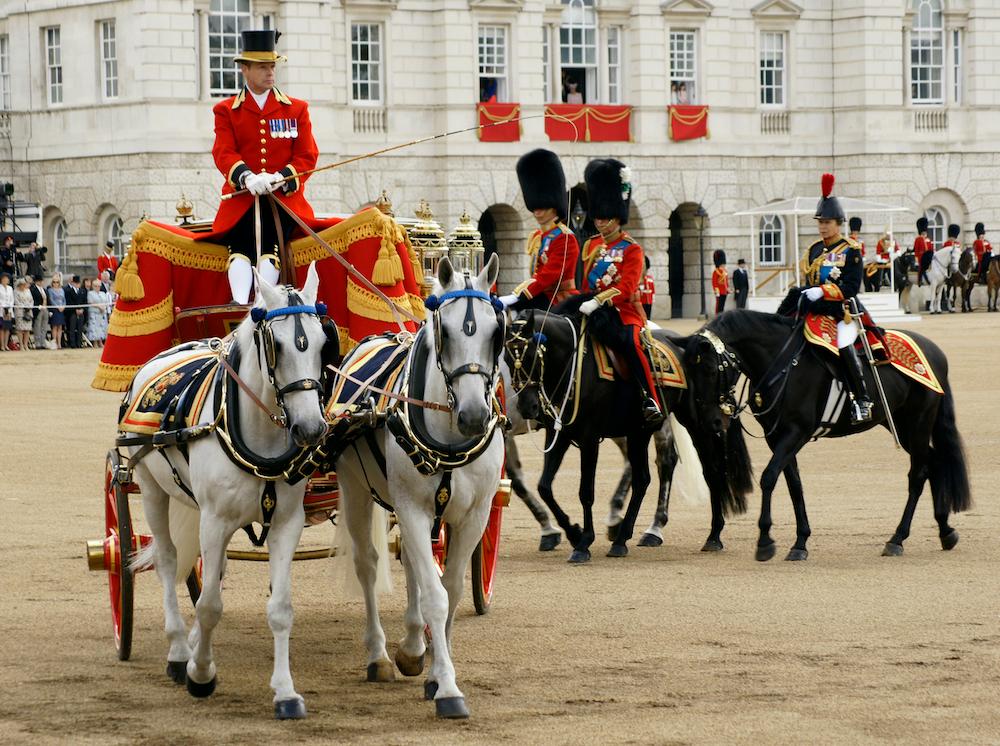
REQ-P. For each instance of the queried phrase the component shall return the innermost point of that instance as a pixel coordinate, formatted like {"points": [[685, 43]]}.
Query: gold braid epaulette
{"points": [[144, 321]]}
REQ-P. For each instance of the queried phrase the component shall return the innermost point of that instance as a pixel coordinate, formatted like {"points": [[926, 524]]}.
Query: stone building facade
{"points": [[107, 111]]}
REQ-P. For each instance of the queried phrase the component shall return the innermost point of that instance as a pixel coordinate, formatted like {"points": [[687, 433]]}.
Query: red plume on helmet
{"points": [[827, 184]]}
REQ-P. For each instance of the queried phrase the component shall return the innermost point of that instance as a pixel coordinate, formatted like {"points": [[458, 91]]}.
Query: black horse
{"points": [[789, 383], [542, 351]]}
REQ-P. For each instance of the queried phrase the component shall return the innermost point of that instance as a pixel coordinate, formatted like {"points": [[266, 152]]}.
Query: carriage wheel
{"points": [[440, 548], [484, 561], [118, 528]]}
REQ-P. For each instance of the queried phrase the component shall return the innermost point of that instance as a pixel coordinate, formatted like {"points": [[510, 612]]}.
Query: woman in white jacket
{"points": [[6, 310]]}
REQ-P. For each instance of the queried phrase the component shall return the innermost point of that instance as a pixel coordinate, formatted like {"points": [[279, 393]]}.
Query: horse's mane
{"points": [[743, 323]]}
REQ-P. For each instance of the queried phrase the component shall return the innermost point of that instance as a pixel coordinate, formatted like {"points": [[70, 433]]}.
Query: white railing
{"points": [[774, 123], [930, 120], [369, 120]]}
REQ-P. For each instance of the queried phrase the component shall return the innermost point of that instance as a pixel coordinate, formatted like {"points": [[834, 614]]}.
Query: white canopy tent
{"points": [[798, 206]]}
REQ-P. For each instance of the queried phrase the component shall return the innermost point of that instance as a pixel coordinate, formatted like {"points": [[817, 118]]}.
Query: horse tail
{"points": [[185, 534], [689, 479], [949, 474], [739, 471]]}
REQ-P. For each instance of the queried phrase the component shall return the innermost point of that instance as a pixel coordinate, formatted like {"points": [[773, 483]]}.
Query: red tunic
{"points": [[647, 290], [107, 262], [623, 266], [248, 139], [920, 245], [884, 249], [555, 254], [981, 246], [720, 281]]}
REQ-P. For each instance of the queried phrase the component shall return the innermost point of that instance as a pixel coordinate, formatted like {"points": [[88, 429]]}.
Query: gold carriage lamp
{"points": [[465, 246], [185, 210], [428, 240]]}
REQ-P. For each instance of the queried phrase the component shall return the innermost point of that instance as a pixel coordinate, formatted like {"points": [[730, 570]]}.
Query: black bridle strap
{"points": [[277, 419], [268, 503]]}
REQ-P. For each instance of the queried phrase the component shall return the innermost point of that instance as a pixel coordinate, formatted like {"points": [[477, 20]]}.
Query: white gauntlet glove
{"points": [[813, 293], [277, 181], [588, 307], [257, 184], [508, 300]]}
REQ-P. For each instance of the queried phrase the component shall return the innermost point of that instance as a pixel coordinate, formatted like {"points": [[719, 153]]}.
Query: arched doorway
{"points": [[690, 270], [503, 234]]}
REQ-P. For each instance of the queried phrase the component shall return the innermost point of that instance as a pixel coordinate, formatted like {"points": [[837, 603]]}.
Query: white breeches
{"points": [[846, 334], [241, 276]]}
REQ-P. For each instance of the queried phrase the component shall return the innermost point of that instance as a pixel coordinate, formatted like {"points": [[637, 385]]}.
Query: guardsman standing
{"points": [[922, 247], [833, 276], [263, 141], [855, 234], [612, 268], [720, 280], [984, 252], [553, 248]]}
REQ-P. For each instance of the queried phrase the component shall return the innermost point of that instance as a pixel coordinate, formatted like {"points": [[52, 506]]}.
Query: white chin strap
{"points": [[846, 334], [240, 279], [267, 271]]}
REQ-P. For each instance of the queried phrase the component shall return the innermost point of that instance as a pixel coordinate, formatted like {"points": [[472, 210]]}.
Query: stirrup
{"points": [[861, 411], [651, 412]]}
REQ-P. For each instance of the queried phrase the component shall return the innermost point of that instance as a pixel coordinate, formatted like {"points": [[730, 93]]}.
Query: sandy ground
{"points": [[666, 646]]}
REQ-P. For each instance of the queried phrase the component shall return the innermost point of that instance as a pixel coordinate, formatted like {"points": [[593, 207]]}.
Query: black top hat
{"points": [[258, 46], [741, 260], [718, 257], [953, 231], [609, 189], [543, 182], [109, 244], [921, 225], [855, 224], [828, 208], [980, 229]]}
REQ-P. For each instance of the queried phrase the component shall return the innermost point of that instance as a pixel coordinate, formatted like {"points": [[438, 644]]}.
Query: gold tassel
{"points": [[382, 273], [128, 284]]}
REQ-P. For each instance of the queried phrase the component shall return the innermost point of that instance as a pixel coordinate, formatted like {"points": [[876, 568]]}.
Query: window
{"points": [[116, 234], [578, 51], [772, 68], [267, 22], [60, 236], [772, 240], [937, 222], [546, 63], [683, 68], [366, 63], [226, 19], [492, 63], [614, 65], [53, 65], [4, 73], [956, 46], [927, 53], [109, 59]]}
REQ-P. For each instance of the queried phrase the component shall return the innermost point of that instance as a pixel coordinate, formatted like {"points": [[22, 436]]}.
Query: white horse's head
{"points": [[292, 346], [467, 332]]}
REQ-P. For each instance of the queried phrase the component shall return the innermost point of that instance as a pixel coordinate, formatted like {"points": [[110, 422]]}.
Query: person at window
{"points": [[573, 96], [923, 250], [673, 92], [488, 91], [647, 290], [553, 248], [40, 321], [682, 94], [833, 276], [741, 283], [720, 280], [612, 268], [984, 252], [107, 261], [6, 310], [263, 144]]}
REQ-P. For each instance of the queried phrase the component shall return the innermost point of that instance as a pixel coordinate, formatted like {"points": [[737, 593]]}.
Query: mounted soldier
{"points": [[984, 252], [833, 273], [612, 269], [553, 248], [263, 141], [923, 250]]}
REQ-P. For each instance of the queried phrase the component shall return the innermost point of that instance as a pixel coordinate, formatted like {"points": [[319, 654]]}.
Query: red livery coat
{"points": [[618, 288], [720, 281], [555, 264], [981, 246], [920, 245], [107, 262], [248, 139]]}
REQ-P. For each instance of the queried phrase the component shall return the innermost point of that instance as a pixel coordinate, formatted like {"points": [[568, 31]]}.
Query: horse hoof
{"points": [[613, 531], [579, 557], [764, 553], [650, 540], [574, 534], [549, 542], [409, 665], [712, 545], [177, 671], [380, 671], [949, 540], [617, 550], [290, 709], [451, 708], [892, 550], [200, 690], [430, 689], [796, 555]]}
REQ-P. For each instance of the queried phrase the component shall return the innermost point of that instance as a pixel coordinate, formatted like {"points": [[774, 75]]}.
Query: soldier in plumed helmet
{"points": [[833, 273], [720, 280], [612, 269], [984, 252], [553, 248], [923, 250]]}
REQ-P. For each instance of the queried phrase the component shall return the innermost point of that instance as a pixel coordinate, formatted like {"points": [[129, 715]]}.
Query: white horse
{"points": [[945, 262], [455, 355], [277, 352]]}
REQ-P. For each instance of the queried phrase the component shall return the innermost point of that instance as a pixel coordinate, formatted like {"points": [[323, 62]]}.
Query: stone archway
{"points": [[686, 284], [503, 234]]}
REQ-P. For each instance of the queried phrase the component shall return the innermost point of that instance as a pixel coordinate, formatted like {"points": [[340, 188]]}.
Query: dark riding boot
{"points": [[652, 415], [861, 409]]}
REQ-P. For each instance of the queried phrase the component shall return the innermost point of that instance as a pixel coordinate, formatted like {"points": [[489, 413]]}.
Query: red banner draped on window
{"points": [[588, 122], [499, 122], [688, 122]]}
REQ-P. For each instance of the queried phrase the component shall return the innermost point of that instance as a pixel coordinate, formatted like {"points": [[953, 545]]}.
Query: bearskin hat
{"points": [[718, 257], [543, 182], [980, 229], [953, 231], [828, 208], [609, 189], [855, 224], [921, 225]]}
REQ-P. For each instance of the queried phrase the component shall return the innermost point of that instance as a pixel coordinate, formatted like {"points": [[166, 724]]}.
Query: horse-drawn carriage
{"points": [[173, 290]]}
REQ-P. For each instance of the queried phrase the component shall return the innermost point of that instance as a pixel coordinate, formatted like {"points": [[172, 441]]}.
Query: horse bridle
{"points": [[521, 376]]}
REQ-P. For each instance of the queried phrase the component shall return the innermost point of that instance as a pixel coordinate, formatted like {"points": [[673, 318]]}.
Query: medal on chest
{"points": [[284, 129]]}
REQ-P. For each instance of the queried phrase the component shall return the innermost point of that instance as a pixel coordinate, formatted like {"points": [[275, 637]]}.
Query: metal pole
{"points": [[753, 263], [701, 263]]}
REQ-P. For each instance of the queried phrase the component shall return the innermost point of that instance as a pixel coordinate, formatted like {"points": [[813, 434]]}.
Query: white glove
{"points": [[588, 307], [835, 273], [508, 300], [257, 184], [277, 182], [813, 293]]}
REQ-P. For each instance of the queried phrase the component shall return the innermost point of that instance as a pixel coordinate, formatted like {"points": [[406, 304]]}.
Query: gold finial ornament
{"points": [[465, 245], [185, 210], [384, 204]]}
